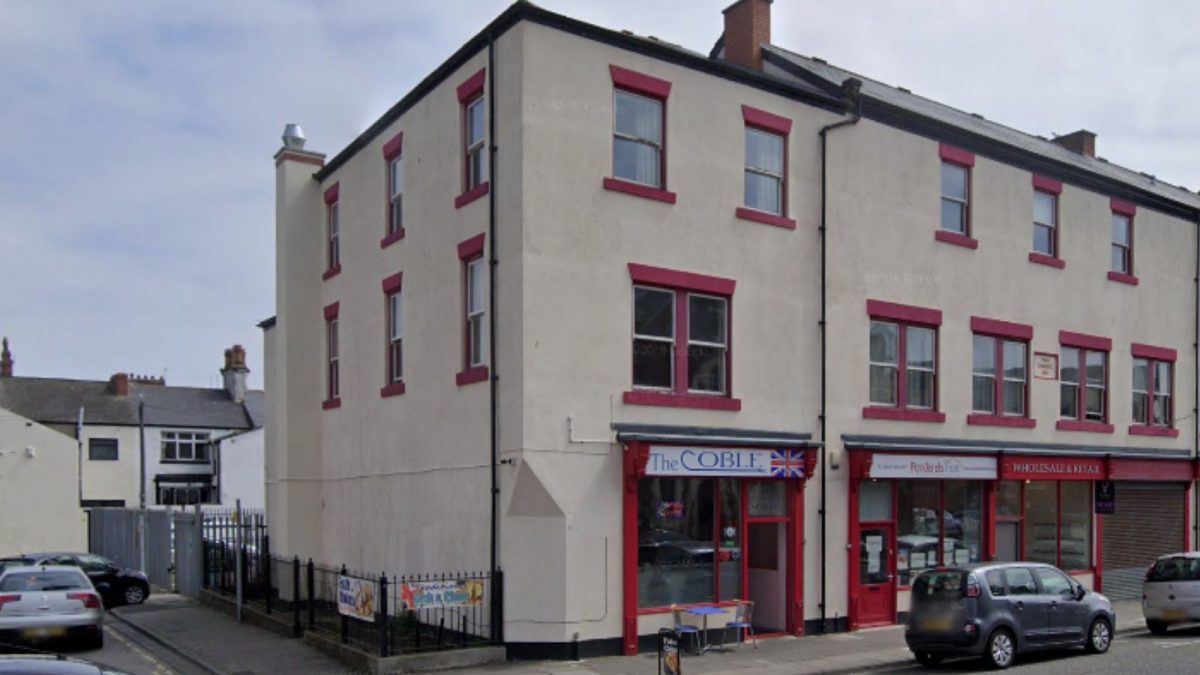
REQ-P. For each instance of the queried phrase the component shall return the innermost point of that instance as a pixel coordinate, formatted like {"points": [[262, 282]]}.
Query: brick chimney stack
{"points": [[747, 27], [119, 384], [235, 372], [6, 360], [1082, 142]]}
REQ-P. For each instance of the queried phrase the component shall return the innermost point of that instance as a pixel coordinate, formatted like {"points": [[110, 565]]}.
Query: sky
{"points": [[136, 137]]}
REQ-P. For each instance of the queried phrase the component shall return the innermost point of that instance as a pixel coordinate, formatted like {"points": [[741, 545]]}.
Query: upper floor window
{"points": [[764, 171], [999, 380], [395, 341], [656, 341], [1084, 382], [476, 162], [638, 138], [1045, 223], [1152, 405], [102, 449], [475, 313], [185, 446], [332, 359], [333, 252], [956, 186], [1122, 243], [903, 365], [396, 195]]}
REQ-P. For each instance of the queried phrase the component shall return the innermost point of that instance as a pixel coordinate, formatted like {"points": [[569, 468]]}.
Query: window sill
{"points": [[184, 461], [1047, 260], [638, 190], [331, 273], [983, 420], [471, 195], [1080, 425], [903, 414], [331, 403], [765, 218], [1143, 430], [471, 375], [684, 608], [392, 390], [672, 400], [391, 238], [956, 239], [1121, 277]]}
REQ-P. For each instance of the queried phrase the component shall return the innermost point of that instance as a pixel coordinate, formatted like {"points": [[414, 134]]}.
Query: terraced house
{"points": [[646, 327]]}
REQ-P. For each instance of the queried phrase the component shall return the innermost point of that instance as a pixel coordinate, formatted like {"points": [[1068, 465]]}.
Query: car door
{"points": [[1067, 617], [1027, 606], [102, 574]]}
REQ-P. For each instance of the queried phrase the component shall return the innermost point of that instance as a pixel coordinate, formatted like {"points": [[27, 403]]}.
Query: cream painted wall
{"points": [[883, 215], [39, 495], [106, 479]]}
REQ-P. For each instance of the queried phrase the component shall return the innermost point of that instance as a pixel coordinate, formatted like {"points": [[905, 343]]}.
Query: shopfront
{"points": [[708, 524], [910, 510]]}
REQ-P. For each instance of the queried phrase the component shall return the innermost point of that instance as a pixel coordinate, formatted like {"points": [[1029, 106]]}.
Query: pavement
{"points": [[218, 645]]}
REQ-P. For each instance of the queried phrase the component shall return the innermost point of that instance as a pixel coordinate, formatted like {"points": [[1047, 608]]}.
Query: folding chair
{"points": [[682, 628], [742, 621]]}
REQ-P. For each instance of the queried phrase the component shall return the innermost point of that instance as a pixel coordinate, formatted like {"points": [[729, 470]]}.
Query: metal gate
{"points": [[165, 545], [1149, 522]]}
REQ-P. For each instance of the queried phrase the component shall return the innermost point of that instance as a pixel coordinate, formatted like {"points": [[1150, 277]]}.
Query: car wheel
{"points": [[1156, 627], [1001, 649], [928, 659], [134, 595], [1099, 636], [94, 642]]}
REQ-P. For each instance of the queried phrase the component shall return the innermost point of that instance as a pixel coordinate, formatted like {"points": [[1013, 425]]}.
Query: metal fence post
{"points": [[345, 621], [296, 596], [312, 596], [384, 624]]}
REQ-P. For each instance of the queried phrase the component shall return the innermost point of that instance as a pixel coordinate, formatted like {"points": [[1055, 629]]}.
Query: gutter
{"points": [[853, 99]]}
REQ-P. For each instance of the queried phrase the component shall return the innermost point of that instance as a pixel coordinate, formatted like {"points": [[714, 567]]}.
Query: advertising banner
{"points": [[356, 598], [926, 466], [685, 461], [415, 595], [1052, 468], [1106, 496]]}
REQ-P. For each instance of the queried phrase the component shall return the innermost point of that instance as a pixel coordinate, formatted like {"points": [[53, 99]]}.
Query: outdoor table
{"points": [[704, 611]]}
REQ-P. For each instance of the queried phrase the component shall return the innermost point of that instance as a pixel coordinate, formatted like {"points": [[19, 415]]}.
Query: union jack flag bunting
{"points": [[787, 464]]}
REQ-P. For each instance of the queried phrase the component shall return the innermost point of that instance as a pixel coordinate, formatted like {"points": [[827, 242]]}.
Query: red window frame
{"points": [[761, 120], [653, 88], [1128, 211], [333, 393], [1153, 356], [392, 151], [684, 285], [965, 161], [333, 240], [470, 251], [391, 289], [984, 526], [1093, 539], [1001, 332], [1086, 344], [469, 92], [905, 316]]}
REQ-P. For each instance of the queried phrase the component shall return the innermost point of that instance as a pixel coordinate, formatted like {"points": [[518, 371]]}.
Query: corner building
{"points": [[647, 328]]}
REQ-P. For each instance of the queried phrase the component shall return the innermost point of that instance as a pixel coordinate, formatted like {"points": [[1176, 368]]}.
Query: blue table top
{"points": [[706, 610]]}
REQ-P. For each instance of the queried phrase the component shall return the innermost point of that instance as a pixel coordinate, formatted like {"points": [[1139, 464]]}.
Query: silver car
{"points": [[49, 603], [1171, 591]]}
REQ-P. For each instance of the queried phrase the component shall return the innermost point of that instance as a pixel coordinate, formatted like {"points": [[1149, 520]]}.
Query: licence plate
{"points": [[934, 625], [1174, 615], [44, 632]]}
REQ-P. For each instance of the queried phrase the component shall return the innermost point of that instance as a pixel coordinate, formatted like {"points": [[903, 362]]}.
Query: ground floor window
{"points": [[690, 540], [182, 495], [1057, 519], [938, 522]]}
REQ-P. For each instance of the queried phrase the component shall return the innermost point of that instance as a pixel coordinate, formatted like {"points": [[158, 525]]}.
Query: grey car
{"points": [[48, 603], [1000, 610]]}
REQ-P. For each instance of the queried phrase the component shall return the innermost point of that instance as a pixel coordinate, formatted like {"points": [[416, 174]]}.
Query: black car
{"points": [[117, 585], [1000, 610]]}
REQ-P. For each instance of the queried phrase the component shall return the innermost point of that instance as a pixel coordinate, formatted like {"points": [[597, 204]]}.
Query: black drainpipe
{"points": [[497, 593], [850, 92]]}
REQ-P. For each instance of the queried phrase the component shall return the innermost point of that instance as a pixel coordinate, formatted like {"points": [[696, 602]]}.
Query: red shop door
{"points": [[877, 584]]}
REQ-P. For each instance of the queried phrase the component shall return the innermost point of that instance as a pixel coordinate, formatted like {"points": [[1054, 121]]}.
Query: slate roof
{"points": [[831, 77], [57, 401]]}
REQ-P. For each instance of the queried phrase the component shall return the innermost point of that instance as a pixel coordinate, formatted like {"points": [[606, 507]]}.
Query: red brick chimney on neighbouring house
{"points": [[119, 384], [6, 360], [1082, 142], [234, 373], [747, 28]]}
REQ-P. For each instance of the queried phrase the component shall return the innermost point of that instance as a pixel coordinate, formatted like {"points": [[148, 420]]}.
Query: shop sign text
{"points": [[925, 466], [1057, 469], [685, 461]]}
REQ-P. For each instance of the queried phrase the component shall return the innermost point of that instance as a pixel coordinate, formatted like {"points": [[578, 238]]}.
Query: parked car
{"points": [[51, 664], [1000, 610], [1171, 591], [50, 602], [117, 585]]}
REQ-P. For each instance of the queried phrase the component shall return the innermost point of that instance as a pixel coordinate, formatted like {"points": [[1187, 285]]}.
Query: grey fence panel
{"points": [[114, 535], [159, 561], [189, 554]]}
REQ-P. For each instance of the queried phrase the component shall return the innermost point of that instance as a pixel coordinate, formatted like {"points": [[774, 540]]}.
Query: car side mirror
{"points": [[1080, 591]]}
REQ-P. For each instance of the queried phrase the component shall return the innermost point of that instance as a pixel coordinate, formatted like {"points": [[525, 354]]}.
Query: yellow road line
{"points": [[160, 668]]}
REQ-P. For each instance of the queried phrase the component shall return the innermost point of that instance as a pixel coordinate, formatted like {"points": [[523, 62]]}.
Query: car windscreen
{"points": [[939, 585], [20, 582], [1177, 568]]}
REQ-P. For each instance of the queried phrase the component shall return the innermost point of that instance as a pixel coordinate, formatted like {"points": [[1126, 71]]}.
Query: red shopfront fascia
{"points": [[1023, 468], [637, 459]]}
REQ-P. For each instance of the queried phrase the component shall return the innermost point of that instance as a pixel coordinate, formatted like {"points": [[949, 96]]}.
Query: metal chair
{"points": [[742, 621], [682, 629]]}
